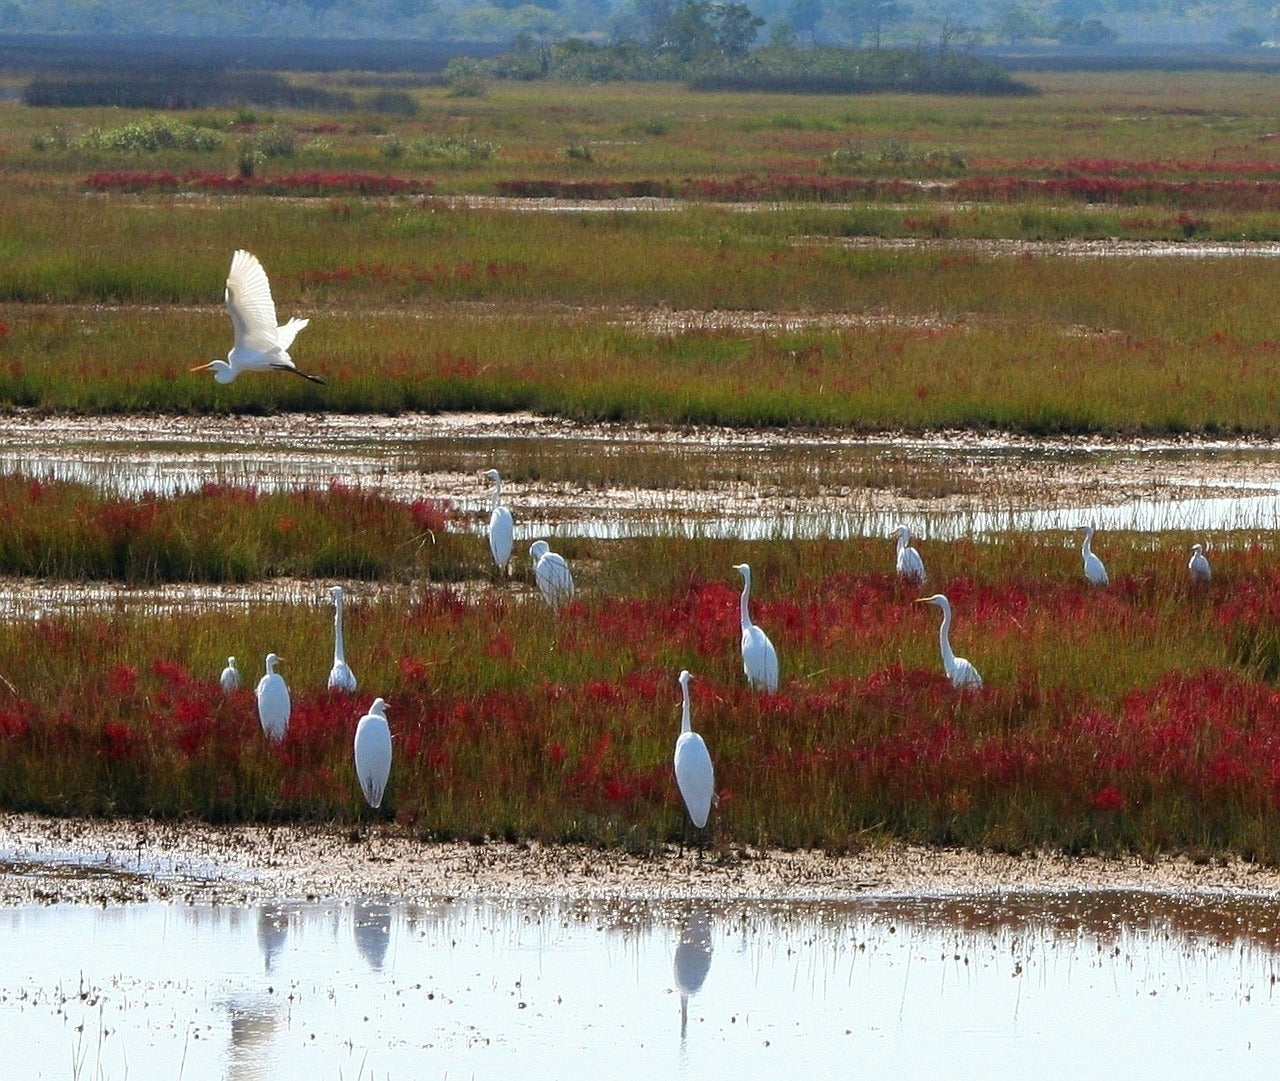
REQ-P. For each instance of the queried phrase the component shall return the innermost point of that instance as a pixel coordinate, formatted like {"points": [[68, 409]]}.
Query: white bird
{"points": [[1093, 568], [501, 526], [910, 565], [552, 574], [959, 671], [759, 658], [260, 345], [230, 678], [692, 961], [373, 753], [1199, 565], [341, 678], [273, 701], [695, 776]]}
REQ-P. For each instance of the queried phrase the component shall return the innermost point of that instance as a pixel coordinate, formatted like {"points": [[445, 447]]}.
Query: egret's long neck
{"points": [[497, 494], [686, 719], [944, 641], [902, 540], [743, 609], [1087, 547], [338, 653]]}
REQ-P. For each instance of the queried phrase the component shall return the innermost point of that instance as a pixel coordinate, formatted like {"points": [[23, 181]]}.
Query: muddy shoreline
{"points": [[108, 862]]}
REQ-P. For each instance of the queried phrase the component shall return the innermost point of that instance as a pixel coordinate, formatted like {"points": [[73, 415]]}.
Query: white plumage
{"points": [[1093, 568], [273, 701], [341, 678], [759, 658], [909, 564], [502, 530], [1199, 565], [230, 678], [552, 574], [373, 753], [959, 671], [695, 776], [260, 345]]}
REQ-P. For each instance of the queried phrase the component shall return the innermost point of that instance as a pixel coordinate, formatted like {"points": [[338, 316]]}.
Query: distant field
{"points": [[120, 228]]}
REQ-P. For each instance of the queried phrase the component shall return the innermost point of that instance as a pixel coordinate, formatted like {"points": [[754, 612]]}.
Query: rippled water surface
{"points": [[1116, 984], [609, 480]]}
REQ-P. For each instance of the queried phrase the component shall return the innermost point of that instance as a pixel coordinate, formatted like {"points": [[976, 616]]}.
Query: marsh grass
{"points": [[1138, 717]]}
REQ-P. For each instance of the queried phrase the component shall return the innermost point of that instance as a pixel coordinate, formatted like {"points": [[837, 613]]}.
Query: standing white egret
{"points": [[1199, 565], [260, 345], [273, 701], [552, 574], [373, 753], [341, 678], [501, 525], [759, 658], [230, 678], [910, 566], [695, 776], [959, 671], [1093, 568]]}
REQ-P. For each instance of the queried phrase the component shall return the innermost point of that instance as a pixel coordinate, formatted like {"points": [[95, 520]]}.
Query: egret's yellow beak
{"points": [[202, 367]]}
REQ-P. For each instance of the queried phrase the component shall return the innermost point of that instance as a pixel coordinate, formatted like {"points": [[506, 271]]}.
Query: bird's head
{"points": [[901, 531], [1197, 549], [222, 371], [335, 592], [743, 569], [272, 661], [379, 707], [538, 549], [685, 676], [492, 476], [938, 599], [231, 662]]}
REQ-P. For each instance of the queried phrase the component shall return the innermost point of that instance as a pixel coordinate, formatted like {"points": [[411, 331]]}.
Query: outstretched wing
{"points": [[249, 303]]}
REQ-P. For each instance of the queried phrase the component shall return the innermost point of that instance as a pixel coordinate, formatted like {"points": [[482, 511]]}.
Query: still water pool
{"points": [[1072, 985]]}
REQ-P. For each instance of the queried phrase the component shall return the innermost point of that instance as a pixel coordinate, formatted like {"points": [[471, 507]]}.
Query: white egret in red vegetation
{"points": [[552, 574], [230, 678], [910, 566], [959, 671], [1093, 568], [341, 678], [273, 702], [260, 345], [695, 776], [1199, 565], [502, 530], [373, 753], [759, 658]]}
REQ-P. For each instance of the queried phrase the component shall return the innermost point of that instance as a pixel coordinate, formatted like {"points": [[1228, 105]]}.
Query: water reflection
{"points": [[788, 484], [372, 922], [915, 987], [692, 960]]}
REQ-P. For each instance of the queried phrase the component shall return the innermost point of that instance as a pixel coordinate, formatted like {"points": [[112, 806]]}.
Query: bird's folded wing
{"points": [[249, 303]]}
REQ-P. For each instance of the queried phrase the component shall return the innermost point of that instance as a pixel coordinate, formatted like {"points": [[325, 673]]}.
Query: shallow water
{"points": [[1121, 984], [723, 483]]}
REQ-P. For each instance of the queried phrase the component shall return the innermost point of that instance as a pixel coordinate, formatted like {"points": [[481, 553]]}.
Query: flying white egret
{"points": [[230, 678], [273, 701], [1093, 568], [502, 530], [341, 678], [695, 776], [261, 345], [373, 753], [551, 573], [959, 671], [910, 565], [759, 658], [1199, 565]]}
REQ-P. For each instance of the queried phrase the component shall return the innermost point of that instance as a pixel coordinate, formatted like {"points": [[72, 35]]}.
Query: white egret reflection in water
{"points": [[1123, 984]]}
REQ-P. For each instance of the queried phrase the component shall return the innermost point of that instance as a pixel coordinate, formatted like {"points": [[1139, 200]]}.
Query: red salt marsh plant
{"points": [[221, 534], [1143, 717]]}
